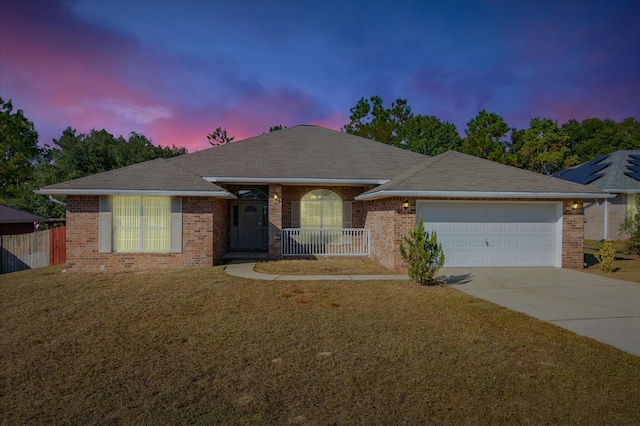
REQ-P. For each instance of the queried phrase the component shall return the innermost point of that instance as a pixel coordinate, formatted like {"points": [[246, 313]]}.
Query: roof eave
{"points": [[479, 194], [148, 192], [623, 191]]}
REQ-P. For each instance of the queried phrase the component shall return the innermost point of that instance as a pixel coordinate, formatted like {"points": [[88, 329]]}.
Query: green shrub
{"points": [[631, 226], [425, 256], [607, 257]]}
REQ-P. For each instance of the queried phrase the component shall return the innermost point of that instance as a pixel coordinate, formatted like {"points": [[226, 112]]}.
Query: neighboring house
{"points": [[617, 173], [14, 221], [307, 190]]}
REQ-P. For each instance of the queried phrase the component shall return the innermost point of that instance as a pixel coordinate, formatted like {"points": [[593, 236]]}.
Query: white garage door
{"points": [[496, 233]]}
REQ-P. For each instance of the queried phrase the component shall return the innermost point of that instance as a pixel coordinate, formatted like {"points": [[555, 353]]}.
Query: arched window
{"points": [[251, 194], [321, 209]]}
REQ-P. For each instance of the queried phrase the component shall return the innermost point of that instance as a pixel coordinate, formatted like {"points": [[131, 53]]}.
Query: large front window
{"points": [[141, 224], [322, 209]]}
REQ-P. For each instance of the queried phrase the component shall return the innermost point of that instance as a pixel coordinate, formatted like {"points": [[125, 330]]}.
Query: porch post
{"points": [[275, 221]]}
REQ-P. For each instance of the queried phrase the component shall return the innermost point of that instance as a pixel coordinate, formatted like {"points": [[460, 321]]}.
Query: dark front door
{"points": [[251, 225]]}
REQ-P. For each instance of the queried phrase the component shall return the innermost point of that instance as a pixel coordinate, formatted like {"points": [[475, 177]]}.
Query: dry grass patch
{"points": [[627, 265], [339, 266], [199, 346]]}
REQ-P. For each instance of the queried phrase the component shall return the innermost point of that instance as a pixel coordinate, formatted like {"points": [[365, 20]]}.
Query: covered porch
{"points": [[276, 221]]}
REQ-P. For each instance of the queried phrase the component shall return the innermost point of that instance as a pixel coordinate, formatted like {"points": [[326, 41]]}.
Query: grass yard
{"points": [[628, 265], [330, 266], [198, 346]]}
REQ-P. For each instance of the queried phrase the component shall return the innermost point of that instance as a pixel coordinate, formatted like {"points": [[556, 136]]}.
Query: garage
{"points": [[496, 233]]}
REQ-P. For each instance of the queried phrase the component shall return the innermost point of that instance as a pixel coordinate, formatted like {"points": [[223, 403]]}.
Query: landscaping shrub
{"points": [[607, 256], [631, 226], [425, 256]]}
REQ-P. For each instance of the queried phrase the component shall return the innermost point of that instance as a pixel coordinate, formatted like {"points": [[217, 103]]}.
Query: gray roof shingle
{"points": [[454, 172], [157, 175], [613, 177], [12, 215], [301, 152], [308, 153]]}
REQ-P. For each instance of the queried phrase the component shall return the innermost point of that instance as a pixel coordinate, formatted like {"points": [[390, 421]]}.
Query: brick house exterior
{"points": [[204, 225], [378, 187], [617, 173]]}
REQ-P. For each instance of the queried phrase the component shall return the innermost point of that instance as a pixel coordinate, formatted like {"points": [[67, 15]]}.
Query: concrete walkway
{"points": [[604, 309], [245, 270]]}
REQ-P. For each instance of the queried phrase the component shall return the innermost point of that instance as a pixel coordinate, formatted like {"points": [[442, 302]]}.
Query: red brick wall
{"points": [[275, 221], [389, 222], [200, 216], [572, 235], [221, 227], [206, 231]]}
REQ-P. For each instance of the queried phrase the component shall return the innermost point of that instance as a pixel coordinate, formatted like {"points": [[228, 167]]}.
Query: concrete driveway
{"points": [[604, 309]]}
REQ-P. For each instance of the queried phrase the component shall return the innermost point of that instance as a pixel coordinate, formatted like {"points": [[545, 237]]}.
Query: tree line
{"points": [[544, 147], [26, 166]]}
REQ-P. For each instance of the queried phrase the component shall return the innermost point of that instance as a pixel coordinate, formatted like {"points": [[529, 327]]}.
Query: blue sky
{"points": [[176, 70]]}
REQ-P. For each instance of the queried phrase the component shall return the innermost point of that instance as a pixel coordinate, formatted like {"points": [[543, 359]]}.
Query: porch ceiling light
{"points": [[405, 204]]}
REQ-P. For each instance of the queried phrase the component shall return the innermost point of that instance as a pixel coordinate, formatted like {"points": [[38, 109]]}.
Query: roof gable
{"points": [[453, 172], [301, 152]]}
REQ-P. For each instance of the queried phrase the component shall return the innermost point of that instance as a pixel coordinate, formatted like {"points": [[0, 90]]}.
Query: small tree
{"points": [[219, 137], [425, 256], [607, 257], [631, 226]]}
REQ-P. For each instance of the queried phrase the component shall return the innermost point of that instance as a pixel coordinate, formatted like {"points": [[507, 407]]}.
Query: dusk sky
{"points": [[176, 70]]}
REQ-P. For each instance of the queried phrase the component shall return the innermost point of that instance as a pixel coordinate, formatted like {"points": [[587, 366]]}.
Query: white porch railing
{"points": [[325, 242]]}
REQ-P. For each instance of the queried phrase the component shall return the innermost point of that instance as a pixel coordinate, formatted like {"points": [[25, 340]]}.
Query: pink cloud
{"points": [[66, 72]]}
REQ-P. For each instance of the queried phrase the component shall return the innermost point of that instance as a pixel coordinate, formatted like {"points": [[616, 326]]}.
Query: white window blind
{"points": [[141, 223], [321, 208]]}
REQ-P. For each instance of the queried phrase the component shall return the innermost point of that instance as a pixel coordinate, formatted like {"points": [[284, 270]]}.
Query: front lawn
{"points": [[628, 265], [330, 266], [199, 346]]}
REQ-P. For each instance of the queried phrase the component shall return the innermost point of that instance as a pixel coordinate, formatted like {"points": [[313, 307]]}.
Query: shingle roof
{"points": [[303, 152], [313, 153], [11, 215], [618, 171], [453, 172], [158, 176]]}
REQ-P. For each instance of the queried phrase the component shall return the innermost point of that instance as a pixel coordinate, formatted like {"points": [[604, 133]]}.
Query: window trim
{"points": [[334, 199], [105, 234]]}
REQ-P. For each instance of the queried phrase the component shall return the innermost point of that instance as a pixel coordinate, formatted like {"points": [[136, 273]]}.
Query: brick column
{"points": [[275, 221], [572, 235], [405, 222]]}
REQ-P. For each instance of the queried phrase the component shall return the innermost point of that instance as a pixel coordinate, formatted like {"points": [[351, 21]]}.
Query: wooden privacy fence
{"points": [[35, 250]]}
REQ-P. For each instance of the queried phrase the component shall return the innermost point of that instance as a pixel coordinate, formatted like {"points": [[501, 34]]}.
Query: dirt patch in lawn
{"points": [[627, 264], [338, 266], [199, 346]]}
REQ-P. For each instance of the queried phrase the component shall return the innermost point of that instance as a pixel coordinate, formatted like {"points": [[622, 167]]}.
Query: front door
{"points": [[251, 225]]}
